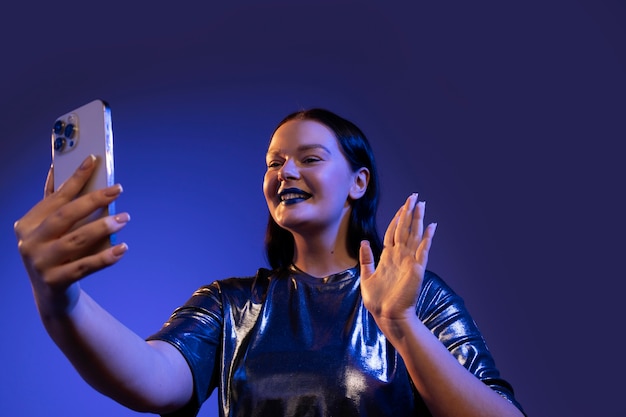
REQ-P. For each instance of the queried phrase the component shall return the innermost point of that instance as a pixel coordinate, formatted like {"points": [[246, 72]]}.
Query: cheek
{"points": [[336, 182], [270, 185]]}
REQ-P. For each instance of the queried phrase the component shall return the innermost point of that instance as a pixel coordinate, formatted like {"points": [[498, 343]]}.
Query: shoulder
{"points": [[435, 289], [435, 296], [236, 288]]}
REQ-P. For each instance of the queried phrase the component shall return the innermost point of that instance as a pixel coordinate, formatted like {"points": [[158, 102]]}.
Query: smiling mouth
{"points": [[292, 196]]}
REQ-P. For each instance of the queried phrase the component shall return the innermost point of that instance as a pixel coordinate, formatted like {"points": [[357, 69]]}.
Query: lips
{"points": [[292, 196]]}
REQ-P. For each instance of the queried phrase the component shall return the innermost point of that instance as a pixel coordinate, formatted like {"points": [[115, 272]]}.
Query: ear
{"points": [[359, 187]]}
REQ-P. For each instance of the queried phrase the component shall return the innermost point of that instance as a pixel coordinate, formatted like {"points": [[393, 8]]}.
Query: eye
{"points": [[273, 164], [311, 159]]}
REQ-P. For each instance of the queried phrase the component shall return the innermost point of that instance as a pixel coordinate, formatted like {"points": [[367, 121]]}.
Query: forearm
{"points": [[446, 386], [57, 254], [113, 359]]}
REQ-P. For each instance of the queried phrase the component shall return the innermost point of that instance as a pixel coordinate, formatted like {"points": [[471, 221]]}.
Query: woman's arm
{"points": [[147, 376], [390, 293], [445, 385]]}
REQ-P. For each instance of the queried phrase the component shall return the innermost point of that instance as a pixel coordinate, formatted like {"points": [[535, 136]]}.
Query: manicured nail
{"points": [[122, 218], [120, 249], [113, 190], [88, 162]]}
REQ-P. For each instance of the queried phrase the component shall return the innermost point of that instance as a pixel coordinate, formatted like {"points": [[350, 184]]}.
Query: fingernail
{"points": [[88, 162], [120, 249], [113, 190], [122, 218]]}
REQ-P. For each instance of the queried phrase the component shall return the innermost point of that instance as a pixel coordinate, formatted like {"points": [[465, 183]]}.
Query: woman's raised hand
{"points": [[55, 256], [390, 290]]}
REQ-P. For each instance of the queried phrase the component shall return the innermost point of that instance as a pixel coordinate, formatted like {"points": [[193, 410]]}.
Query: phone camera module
{"points": [[65, 134], [70, 130], [59, 127], [59, 143]]}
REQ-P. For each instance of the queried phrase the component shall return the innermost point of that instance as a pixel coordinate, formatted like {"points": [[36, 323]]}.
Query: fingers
{"points": [[66, 216], [72, 186], [366, 259], [53, 200], [71, 272], [39, 228], [407, 226], [58, 239], [388, 240], [49, 187], [84, 239], [60, 262], [417, 226], [404, 221], [424, 246]]}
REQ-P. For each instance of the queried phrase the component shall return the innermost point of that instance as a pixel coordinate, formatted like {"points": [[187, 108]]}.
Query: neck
{"points": [[323, 254]]}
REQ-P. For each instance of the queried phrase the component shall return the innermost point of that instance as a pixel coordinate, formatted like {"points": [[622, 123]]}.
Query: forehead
{"points": [[296, 134]]}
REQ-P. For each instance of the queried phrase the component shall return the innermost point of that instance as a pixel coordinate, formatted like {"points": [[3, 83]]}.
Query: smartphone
{"points": [[77, 134]]}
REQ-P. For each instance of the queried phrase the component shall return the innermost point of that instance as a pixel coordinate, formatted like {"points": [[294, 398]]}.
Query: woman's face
{"points": [[309, 182]]}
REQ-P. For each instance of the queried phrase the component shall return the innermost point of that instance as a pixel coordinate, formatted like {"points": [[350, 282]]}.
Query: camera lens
{"points": [[70, 129], [59, 143], [58, 127]]}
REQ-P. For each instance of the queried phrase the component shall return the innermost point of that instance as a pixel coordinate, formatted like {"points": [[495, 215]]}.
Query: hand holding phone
{"points": [[77, 134]]}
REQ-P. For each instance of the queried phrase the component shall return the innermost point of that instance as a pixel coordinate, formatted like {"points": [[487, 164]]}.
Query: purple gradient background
{"points": [[507, 118]]}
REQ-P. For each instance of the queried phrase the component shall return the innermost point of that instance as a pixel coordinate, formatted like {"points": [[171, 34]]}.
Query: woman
{"points": [[339, 326]]}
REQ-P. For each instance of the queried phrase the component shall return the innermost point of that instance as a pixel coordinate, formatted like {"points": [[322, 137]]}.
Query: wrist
{"points": [[54, 303], [397, 328]]}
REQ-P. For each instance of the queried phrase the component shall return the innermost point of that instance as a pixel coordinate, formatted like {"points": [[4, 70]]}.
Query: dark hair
{"points": [[279, 242]]}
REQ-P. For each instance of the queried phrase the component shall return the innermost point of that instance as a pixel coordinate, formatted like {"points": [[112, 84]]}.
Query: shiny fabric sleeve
{"points": [[445, 314], [195, 330]]}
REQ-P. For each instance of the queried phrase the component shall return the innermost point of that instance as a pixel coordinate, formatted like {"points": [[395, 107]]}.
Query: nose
{"points": [[289, 171]]}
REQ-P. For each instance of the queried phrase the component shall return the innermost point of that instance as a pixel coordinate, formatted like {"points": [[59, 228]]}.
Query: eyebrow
{"points": [[303, 148]]}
